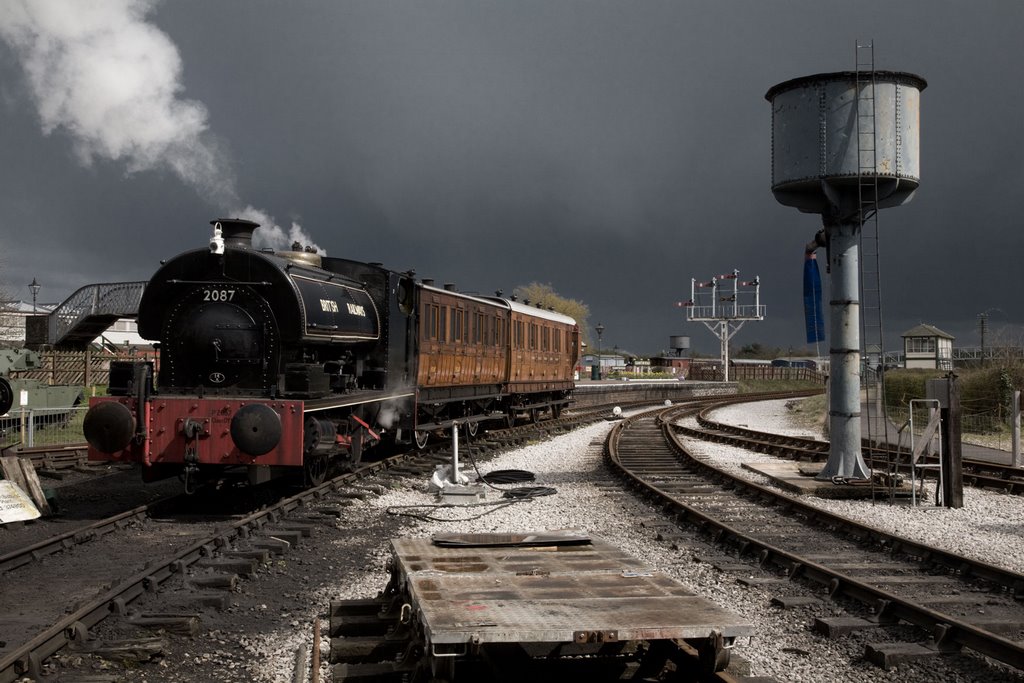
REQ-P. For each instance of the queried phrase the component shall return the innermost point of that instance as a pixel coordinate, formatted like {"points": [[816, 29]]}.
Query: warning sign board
{"points": [[15, 505]]}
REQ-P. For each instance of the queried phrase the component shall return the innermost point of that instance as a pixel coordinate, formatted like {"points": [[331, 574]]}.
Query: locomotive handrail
{"points": [[101, 302]]}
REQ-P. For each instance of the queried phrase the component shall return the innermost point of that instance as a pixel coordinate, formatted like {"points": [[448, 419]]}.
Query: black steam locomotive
{"points": [[280, 362]]}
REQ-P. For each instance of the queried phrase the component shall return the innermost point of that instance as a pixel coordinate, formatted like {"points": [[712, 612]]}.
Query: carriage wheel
{"points": [[421, 438], [510, 419], [534, 415]]}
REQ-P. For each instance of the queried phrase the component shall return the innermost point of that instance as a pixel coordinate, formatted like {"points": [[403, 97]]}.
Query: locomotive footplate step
{"points": [[549, 593]]}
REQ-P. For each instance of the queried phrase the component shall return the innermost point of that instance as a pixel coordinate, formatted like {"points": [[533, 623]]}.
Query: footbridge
{"points": [[88, 313]]}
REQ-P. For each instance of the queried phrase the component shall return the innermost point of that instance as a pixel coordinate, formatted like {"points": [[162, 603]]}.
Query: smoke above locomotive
{"points": [[292, 361]]}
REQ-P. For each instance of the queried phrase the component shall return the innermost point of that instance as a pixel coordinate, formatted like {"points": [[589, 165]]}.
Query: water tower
{"points": [[679, 344], [844, 145]]}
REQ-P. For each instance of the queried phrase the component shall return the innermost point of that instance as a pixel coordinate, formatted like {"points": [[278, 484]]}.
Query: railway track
{"points": [[890, 580], [207, 553], [54, 462]]}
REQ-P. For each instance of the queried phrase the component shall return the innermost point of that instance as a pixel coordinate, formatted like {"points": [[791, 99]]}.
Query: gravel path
{"points": [[783, 646]]}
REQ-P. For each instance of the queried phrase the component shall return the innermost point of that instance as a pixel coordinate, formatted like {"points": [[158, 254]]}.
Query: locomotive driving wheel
{"points": [[315, 467]]}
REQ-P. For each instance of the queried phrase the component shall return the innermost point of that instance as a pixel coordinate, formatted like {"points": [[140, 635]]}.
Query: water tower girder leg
{"points": [[845, 459]]}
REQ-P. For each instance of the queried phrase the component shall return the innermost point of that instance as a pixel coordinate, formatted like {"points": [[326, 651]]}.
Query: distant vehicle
{"points": [[819, 364], [30, 394], [749, 362]]}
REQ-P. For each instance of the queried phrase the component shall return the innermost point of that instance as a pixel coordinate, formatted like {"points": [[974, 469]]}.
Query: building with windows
{"points": [[13, 317], [926, 346]]}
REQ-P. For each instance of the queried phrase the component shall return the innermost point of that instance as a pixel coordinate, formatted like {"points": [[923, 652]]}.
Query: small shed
{"points": [[926, 346]]}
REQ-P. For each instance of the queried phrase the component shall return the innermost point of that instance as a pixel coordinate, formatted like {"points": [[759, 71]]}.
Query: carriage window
{"points": [[545, 339], [458, 320], [430, 321], [443, 324], [558, 341], [533, 336]]}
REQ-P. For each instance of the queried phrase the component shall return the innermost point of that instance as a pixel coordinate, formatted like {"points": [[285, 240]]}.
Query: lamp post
{"points": [[983, 328], [600, 331], [34, 286]]}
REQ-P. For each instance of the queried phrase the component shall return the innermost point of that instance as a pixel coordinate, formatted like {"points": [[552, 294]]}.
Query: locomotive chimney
{"points": [[237, 232]]}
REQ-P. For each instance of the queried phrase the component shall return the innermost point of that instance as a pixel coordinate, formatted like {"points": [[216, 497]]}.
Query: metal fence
{"points": [[42, 427], [86, 368], [712, 372], [991, 430]]}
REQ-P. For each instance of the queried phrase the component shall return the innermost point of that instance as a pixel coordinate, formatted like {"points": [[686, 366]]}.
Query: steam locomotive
{"points": [[283, 362]]}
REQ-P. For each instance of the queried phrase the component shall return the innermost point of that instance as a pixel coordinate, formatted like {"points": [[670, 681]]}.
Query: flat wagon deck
{"points": [[506, 606]]}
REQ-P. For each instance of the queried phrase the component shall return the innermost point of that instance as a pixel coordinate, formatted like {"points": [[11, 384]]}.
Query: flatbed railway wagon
{"points": [[528, 606]]}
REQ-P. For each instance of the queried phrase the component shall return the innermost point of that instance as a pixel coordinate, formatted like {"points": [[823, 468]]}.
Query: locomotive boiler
{"points": [[277, 362]]}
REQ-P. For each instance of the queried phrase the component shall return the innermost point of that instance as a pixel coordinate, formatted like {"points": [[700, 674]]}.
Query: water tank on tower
{"points": [[818, 158], [679, 344]]}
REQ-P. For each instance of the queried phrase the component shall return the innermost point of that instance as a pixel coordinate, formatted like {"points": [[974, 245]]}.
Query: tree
{"points": [[758, 351], [545, 295]]}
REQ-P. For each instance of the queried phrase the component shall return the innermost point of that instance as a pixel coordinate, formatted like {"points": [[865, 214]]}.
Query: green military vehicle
{"points": [[31, 394]]}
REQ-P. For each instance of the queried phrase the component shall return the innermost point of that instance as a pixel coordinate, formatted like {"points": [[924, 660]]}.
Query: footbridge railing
{"points": [[87, 313]]}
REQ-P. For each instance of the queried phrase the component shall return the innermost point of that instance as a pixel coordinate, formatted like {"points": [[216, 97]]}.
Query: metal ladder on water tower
{"points": [[872, 378]]}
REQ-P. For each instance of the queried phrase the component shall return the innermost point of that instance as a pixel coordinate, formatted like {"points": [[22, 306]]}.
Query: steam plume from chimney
{"points": [[273, 235], [99, 72], [102, 74]]}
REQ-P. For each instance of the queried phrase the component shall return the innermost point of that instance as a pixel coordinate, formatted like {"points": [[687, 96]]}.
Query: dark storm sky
{"points": [[612, 149]]}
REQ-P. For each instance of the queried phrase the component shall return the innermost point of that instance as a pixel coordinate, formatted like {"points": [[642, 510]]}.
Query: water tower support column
{"points": [[845, 459]]}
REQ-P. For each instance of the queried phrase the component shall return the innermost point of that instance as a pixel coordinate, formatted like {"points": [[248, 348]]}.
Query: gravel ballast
{"points": [[783, 645]]}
